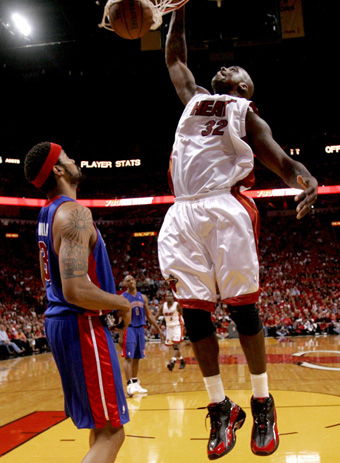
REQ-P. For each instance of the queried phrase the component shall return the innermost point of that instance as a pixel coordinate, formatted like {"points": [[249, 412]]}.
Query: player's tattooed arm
{"points": [[75, 237]]}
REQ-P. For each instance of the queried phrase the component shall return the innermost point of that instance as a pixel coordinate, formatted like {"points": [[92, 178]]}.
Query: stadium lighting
{"points": [[157, 200], [21, 24]]}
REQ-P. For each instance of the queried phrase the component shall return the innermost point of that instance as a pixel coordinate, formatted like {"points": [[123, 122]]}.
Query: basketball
{"points": [[131, 19]]}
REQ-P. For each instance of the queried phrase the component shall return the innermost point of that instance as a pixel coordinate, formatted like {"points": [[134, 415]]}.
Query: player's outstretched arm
{"points": [[293, 173], [73, 230], [176, 59]]}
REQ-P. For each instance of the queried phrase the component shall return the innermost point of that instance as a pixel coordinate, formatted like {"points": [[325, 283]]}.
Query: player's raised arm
{"points": [[293, 173], [176, 59], [76, 235]]}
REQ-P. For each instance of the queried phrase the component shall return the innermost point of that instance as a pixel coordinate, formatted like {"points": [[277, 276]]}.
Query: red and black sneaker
{"points": [[264, 436], [226, 417]]}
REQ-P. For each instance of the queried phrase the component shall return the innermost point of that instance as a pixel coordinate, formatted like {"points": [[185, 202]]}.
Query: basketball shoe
{"points": [[226, 417], [139, 388], [264, 436], [171, 365], [131, 389], [135, 388], [182, 365]]}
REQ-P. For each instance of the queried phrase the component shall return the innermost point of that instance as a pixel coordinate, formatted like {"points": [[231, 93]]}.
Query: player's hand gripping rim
{"points": [[307, 198]]}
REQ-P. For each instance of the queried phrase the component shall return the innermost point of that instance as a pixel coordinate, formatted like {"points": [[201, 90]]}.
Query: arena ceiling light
{"points": [[21, 24]]}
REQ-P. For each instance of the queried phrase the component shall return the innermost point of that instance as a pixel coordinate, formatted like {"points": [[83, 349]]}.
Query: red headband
{"points": [[47, 167]]}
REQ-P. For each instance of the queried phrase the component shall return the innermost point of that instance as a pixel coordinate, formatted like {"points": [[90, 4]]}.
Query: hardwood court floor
{"points": [[168, 424]]}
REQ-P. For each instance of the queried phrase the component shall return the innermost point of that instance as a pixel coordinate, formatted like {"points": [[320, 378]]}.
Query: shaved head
{"points": [[233, 81]]}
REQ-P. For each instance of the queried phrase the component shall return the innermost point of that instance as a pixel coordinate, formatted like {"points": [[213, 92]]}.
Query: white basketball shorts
{"points": [[207, 241], [174, 335]]}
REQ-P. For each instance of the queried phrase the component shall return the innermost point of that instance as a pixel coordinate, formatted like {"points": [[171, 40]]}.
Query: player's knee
{"points": [[198, 324], [246, 318], [109, 432], [176, 348]]}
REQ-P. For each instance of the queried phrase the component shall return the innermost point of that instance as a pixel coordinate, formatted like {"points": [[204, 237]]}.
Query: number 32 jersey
{"points": [[209, 153]]}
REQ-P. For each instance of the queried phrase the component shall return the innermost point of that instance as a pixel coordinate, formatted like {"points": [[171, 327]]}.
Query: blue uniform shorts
{"points": [[134, 342], [87, 361]]}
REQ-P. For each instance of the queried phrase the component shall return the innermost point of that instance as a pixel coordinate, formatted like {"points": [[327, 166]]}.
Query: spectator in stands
{"points": [[40, 338], [9, 345], [21, 341]]}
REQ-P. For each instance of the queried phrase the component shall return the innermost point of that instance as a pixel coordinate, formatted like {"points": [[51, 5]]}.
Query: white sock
{"points": [[214, 388], [260, 385]]}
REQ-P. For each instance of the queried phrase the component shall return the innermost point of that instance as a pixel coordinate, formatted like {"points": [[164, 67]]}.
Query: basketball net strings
{"points": [[159, 8]]}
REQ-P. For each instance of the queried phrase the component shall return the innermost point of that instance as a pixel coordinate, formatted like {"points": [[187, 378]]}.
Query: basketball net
{"points": [[159, 8]]}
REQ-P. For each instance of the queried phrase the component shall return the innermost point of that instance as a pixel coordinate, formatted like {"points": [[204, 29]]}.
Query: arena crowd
{"points": [[298, 277]]}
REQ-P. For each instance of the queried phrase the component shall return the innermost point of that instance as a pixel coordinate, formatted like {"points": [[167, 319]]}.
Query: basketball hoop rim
{"points": [[159, 9]]}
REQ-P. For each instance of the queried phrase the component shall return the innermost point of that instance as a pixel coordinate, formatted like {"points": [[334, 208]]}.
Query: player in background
{"points": [[210, 235], [172, 313], [80, 289], [134, 337]]}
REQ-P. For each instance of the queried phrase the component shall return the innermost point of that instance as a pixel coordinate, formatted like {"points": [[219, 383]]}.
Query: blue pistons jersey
{"points": [[80, 341], [99, 268], [138, 308]]}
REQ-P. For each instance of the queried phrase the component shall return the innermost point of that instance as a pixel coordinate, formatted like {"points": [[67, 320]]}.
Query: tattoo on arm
{"points": [[74, 250], [79, 226]]}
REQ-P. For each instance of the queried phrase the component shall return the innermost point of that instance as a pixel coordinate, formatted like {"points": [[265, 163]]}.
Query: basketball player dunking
{"points": [[209, 236]]}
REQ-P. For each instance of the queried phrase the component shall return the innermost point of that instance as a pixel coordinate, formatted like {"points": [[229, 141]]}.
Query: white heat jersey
{"points": [[171, 315], [208, 153]]}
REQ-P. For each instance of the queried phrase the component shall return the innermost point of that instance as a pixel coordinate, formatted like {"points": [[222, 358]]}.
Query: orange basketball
{"points": [[131, 19]]}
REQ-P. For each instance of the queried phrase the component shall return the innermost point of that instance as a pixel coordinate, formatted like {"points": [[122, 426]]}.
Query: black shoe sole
{"points": [[265, 454]]}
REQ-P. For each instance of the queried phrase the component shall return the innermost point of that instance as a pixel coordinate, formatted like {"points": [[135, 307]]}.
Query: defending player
{"points": [[134, 336], [80, 289], [172, 313], [209, 236]]}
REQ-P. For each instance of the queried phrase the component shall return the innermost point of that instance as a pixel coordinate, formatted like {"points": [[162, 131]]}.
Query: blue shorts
{"points": [[88, 365], [134, 342]]}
